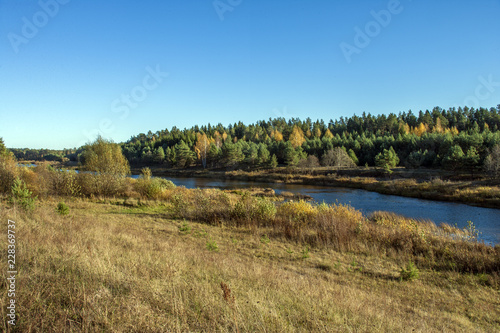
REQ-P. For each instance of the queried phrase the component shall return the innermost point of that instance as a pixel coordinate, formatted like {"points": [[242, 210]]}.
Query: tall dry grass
{"points": [[109, 268], [339, 227]]}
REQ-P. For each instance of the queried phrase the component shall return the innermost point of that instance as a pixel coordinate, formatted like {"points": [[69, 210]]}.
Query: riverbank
{"points": [[423, 184]]}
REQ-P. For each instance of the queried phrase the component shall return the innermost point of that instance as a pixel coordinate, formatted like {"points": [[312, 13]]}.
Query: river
{"points": [[486, 220]]}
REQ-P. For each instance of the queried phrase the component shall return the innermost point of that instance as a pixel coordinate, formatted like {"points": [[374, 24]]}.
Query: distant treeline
{"points": [[457, 139], [454, 138], [26, 154]]}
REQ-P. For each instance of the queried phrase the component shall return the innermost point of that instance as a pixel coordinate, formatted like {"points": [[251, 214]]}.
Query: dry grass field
{"points": [[115, 266]]}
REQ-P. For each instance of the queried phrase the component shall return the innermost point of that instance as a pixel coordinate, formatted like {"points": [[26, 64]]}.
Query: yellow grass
{"points": [[112, 268]]}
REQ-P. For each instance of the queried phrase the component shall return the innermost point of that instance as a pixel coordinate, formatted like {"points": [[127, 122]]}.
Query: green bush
{"points": [[409, 273], [265, 239], [62, 209], [184, 228], [265, 210], [152, 187], [305, 253], [212, 246], [21, 195]]}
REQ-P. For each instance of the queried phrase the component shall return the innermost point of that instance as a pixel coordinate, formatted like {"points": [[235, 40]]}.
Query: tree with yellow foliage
{"points": [[328, 134], [438, 128], [405, 128], [106, 160], [276, 135], [202, 147], [217, 140], [297, 137], [420, 129]]}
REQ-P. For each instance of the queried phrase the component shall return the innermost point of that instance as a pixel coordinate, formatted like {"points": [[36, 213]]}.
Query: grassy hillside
{"points": [[183, 263]]}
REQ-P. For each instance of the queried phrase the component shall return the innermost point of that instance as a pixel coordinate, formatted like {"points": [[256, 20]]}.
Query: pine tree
{"points": [[213, 155], [353, 156], [252, 155], [454, 159], [273, 162], [291, 156], [4, 152], [387, 159], [471, 159], [184, 155], [263, 155], [231, 153], [160, 155]]}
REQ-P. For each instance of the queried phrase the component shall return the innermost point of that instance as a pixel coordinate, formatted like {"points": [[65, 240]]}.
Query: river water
{"points": [[486, 220]]}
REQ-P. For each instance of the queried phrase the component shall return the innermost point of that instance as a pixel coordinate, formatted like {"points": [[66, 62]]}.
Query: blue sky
{"points": [[71, 68]]}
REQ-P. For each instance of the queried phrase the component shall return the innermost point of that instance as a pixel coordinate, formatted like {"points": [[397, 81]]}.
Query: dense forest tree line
{"points": [[457, 139]]}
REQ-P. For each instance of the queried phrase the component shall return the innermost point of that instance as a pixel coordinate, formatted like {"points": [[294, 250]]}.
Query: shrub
{"points": [[184, 228], [299, 211], [8, 173], [105, 160], [212, 246], [179, 205], [305, 252], [265, 209], [66, 183], [409, 273], [265, 239], [152, 187], [101, 184], [471, 232], [62, 209], [22, 196]]}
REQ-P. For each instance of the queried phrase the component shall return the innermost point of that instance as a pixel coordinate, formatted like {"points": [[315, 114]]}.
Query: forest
{"points": [[456, 139], [463, 139]]}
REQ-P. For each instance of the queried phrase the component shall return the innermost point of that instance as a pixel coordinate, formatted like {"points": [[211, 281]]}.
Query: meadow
{"points": [[117, 254]]}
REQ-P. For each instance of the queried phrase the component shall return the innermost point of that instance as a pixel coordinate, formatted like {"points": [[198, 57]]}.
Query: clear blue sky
{"points": [[67, 72]]}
